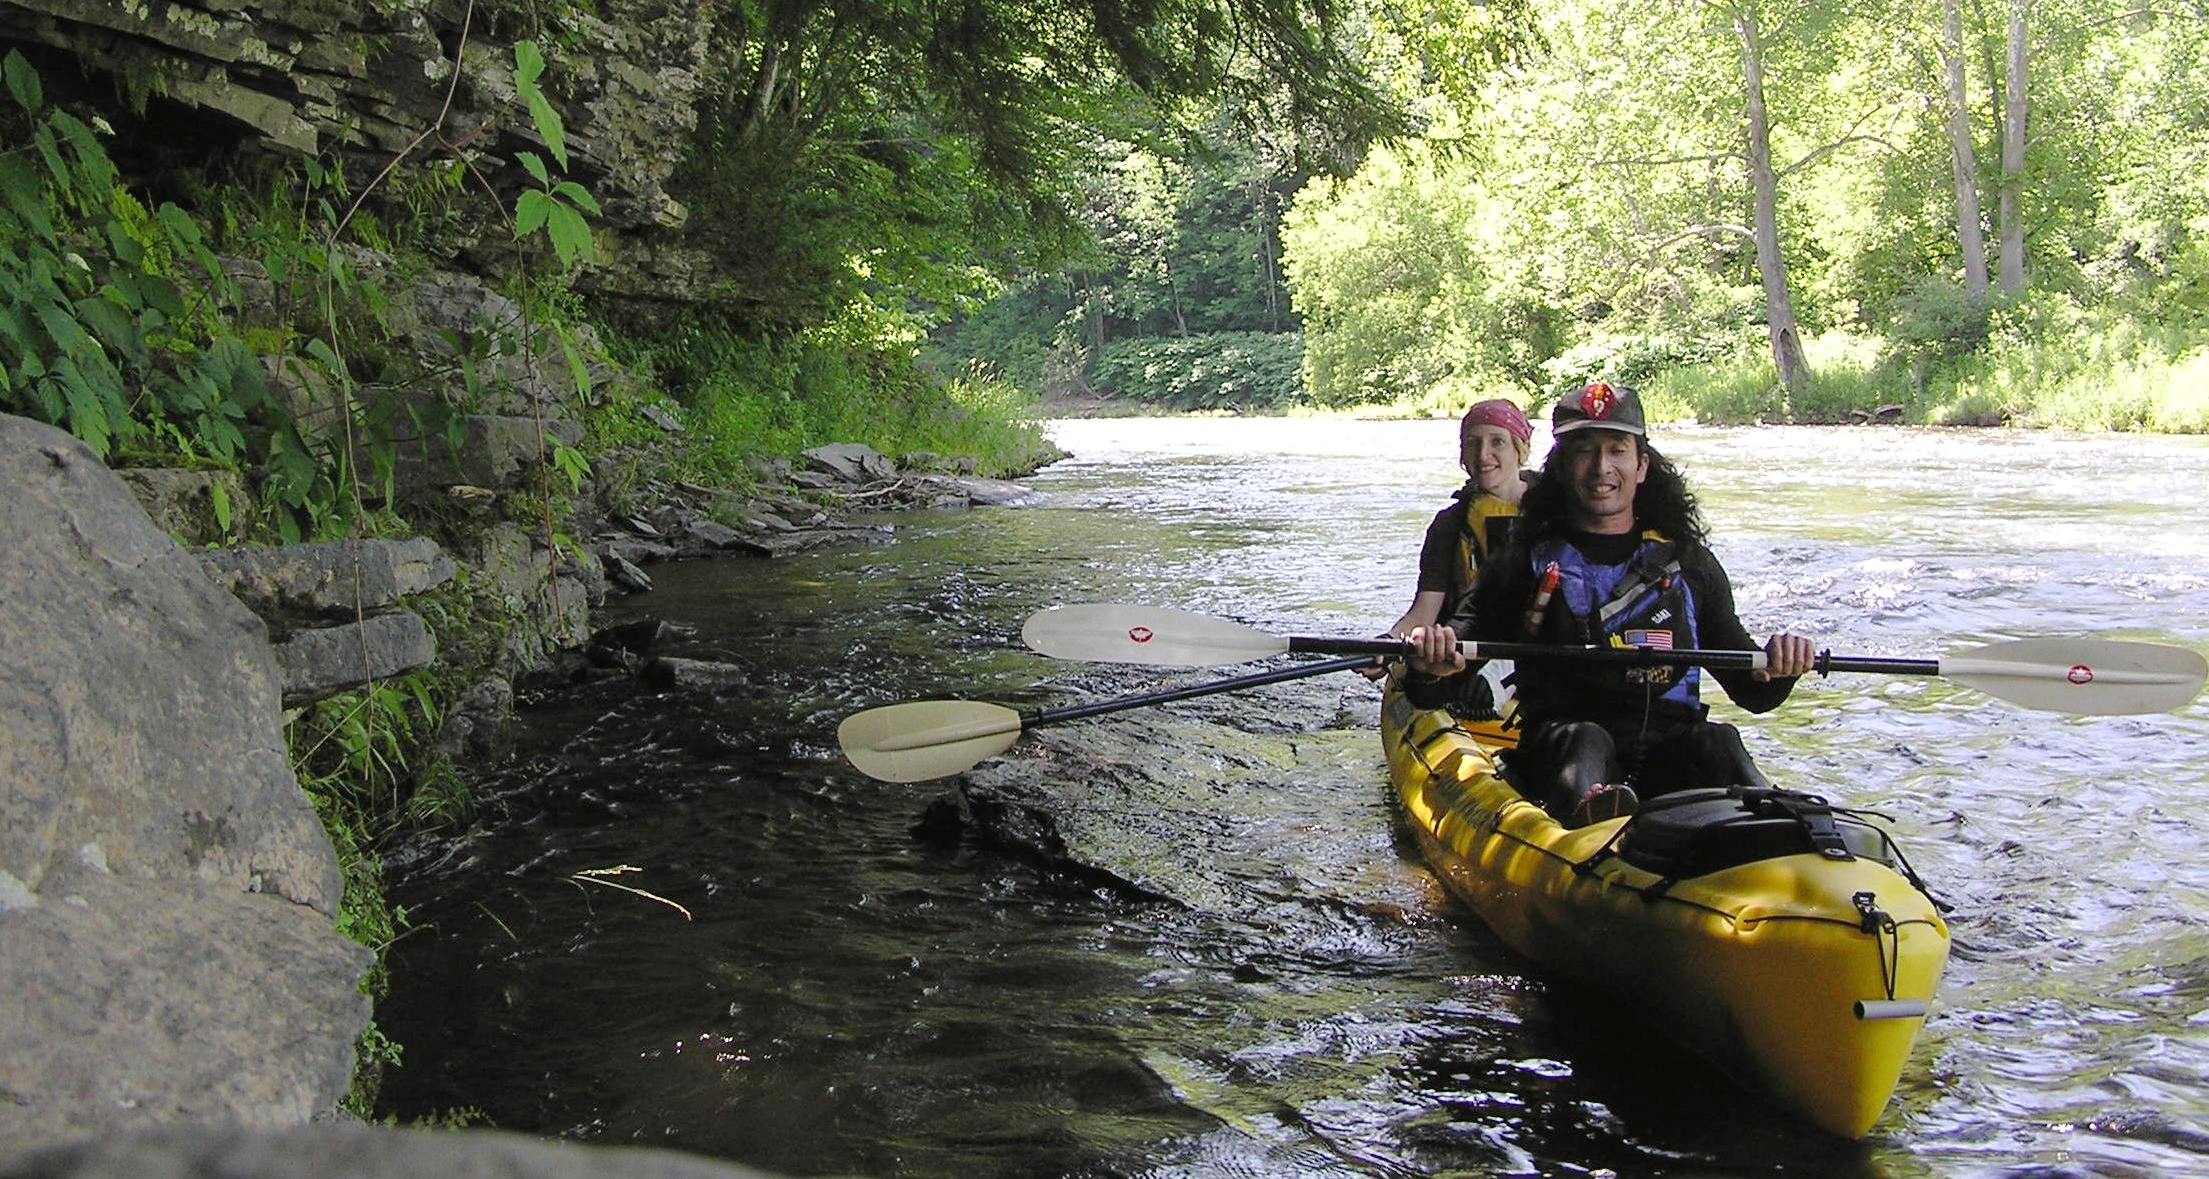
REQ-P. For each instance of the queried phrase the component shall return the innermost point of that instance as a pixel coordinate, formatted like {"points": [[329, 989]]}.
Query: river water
{"points": [[1229, 963]]}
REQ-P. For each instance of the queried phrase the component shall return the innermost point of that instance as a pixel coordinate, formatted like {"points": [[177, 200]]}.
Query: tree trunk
{"points": [[763, 92], [1269, 266], [1173, 290], [1779, 305], [2009, 218], [1970, 234]]}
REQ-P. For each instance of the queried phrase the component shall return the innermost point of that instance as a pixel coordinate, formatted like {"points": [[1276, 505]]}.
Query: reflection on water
{"points": [[1259, 979]]}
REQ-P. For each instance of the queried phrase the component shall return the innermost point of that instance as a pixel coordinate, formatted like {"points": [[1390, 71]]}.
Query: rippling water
{"points": [[1257, 978]]}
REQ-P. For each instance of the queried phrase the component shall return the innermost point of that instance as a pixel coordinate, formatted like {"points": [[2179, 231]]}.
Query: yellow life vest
{"points": [[1477, 538]]}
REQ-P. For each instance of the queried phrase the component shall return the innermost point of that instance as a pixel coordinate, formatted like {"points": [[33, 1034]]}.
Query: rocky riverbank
{"points": [[167, 948], [170, 897]]}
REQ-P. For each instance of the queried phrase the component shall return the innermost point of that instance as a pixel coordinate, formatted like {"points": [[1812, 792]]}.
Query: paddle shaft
{"points": [[1721, 660], [1827, 661], [1035, 718], [1825, 664], [2087, 677]]}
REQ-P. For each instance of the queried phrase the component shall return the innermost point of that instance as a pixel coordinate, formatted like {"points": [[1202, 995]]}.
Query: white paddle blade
{"points": [[1151, 635], [926, 738], [2092, 677]]}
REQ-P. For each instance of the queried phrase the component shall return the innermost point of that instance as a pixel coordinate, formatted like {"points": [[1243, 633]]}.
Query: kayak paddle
{"points": [[935, 738], [2093, 677]]}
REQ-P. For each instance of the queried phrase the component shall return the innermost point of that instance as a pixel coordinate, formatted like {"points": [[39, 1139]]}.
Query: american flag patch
{"points": [[1652, 640]]}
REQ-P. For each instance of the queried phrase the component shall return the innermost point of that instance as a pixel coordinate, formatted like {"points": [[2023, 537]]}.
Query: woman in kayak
{"points": [[1610, 552], [1492, 446]]}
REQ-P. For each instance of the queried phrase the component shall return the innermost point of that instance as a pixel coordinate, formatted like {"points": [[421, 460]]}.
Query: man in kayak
{"points": [[1610, 550]]}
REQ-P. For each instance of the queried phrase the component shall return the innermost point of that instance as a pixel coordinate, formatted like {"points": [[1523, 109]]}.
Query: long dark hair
{"points": [[1662, 502]]}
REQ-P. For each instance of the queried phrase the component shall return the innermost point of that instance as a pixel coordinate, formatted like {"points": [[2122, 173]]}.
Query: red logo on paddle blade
{"points": [[1141, 634], [1596, 401], [2081, 674]]}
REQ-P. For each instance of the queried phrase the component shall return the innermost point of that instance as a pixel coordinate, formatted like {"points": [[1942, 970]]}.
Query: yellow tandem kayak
{"points": [[1803, 975]]}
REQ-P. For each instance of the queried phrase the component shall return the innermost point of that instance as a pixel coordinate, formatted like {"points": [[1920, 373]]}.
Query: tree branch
{"points": [[1712, 230], [2197, 13], [1852, 135], [1818, 154], [1658, 162]]}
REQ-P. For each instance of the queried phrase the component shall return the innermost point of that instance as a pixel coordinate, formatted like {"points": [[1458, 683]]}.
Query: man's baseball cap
{"points": [[1600, 406]]}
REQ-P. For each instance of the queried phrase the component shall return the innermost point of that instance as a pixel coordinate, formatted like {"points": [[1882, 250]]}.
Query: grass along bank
{"points": [[859, 378], [2100, 374]]}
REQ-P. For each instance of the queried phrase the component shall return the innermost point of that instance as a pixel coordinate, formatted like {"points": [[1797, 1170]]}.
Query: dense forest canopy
{"points": [[910, 219], [941, 142], [840, 177], [1776, 209]]}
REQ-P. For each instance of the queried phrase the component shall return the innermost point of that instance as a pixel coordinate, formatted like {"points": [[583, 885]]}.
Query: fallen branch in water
{"points": [[598, 876]]}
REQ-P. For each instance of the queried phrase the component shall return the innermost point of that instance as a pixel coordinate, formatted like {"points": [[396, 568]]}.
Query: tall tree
{"points": [[1689, 163], [2009, 218], [1963, 159], [1771, 263]]}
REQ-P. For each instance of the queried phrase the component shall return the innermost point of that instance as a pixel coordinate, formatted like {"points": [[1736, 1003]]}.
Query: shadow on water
{"points": [[1190, 941]]}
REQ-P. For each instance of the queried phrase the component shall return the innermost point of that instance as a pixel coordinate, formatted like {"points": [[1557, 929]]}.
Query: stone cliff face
{"points": [[374, 79]]}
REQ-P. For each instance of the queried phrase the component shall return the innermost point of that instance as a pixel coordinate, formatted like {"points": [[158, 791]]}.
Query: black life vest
{"points": [[1644, 601]]}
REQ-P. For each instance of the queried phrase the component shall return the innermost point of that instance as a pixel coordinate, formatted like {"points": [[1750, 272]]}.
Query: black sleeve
{"points": [[1438, 553], [1719, 628]]}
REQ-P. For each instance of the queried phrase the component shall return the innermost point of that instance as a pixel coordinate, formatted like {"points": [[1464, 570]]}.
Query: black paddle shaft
{"points": [[1827, 661], [1030, 719]]}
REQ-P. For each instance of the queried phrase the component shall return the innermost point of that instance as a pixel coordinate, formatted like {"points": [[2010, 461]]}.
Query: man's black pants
{"points": [[1556, 763]]}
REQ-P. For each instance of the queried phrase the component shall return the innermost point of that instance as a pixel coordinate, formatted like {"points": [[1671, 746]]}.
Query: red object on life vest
{"points": [[1542, 593]]}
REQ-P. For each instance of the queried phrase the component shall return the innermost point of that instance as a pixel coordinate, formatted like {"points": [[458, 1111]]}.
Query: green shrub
{"points": [[2114, 378], [1221, 370], [1720, 392], [109, 323], [1934, 321], [349, 753], [856, 379], [1838, 391], [1628, 359]]}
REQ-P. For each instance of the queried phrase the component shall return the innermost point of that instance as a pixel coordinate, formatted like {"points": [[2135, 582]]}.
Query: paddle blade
{"points": [[2092, 677], [1151, 635], [926, 738]]}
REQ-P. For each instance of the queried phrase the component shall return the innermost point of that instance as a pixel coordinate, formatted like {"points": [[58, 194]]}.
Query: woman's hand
{"points": [[1435, 651], [1787, 656]]}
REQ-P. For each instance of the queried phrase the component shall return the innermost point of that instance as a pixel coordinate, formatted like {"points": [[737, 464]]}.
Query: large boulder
{"points": [[166, 892], [546, 602], [358, 1152], [853, 462]]}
